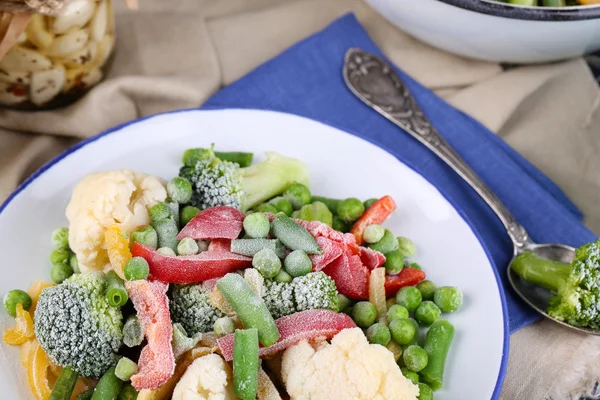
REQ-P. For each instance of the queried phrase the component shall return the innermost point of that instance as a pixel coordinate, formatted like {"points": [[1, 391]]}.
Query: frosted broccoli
{"points": [[312, 291], [191, 307], [216, 182], [77, 327]]}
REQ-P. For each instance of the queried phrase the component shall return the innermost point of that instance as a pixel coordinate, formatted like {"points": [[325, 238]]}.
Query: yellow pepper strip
{"points": [[588, 2], [37, 372], [26, 352], [34, 292], [117, 247], [377, 293], [23, 329]]}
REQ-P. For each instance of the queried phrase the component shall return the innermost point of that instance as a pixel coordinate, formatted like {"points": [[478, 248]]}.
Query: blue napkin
{"points": [[307, 80]]}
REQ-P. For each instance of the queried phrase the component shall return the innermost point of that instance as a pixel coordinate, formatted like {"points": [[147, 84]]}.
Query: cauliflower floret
{"points": [[208, 378], [348, 368], [104, 199]]}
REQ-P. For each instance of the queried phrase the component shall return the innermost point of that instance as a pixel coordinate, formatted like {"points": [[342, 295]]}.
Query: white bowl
{"points": [[498, 32], [448, 249]]}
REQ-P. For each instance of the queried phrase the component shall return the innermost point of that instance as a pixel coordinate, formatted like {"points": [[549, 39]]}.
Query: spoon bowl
{"points": [[374, 82]]}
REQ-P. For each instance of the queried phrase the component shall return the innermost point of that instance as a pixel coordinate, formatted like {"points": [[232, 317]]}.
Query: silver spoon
{"points": [[376, 84]]}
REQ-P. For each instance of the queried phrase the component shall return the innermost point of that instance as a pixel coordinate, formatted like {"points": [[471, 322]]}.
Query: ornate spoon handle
{"points": [[375, 83]]}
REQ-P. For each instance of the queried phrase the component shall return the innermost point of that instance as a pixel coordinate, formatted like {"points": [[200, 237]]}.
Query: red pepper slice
{"points": [[157, 362], [376, 214], [350, 275], [406, 277], [331, 251], [214, 223], [371, 258], [309, 325], [190, 269]]}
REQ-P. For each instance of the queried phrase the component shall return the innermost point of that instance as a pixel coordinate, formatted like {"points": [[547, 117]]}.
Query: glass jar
{"points": [[58, 58]]}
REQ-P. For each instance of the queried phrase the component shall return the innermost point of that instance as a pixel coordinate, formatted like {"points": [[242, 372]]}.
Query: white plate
{"points": [[342, 165]]}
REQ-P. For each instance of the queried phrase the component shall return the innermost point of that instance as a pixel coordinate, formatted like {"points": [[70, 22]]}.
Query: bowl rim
{"points": [[528, 13]]}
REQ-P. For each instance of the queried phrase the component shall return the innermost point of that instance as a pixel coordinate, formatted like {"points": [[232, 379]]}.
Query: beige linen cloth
{"points": [[176, 53]]}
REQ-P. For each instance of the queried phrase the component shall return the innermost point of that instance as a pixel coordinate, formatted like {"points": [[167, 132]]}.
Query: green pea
{"points": [[74, 263], [60, 272], [425, 392], [223, 326], [188, 213], [397, 312], [427, 289], [394, 262], [387, 243], [406, 246], [410, 375], [187, 247], [266, 208], [427, 313], [136, 269], [14, 297], [414, 265], [146, 236], [364, 314], [415, 339], [60, 255], [267, 263], [373, 233], [350, 209], [409, 297], [343, 302], [257, 225], [282, 205], [448, 298], [298, 195], [332, 204], [402, 330], [297, 263], [379, 334], [283, 277], [60, 238], [166, 251], [369, 203], [415, 358], [339, 225], [179, 190]]}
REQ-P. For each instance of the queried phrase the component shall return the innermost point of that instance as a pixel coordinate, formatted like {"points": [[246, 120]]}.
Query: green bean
{"points": [[257, 225], [64, 385], [251, 310], [164, 223], [125, 369], [240, 158], [298, 194], [60, 238], [128, 393], [267, 263], [249, 247], [116, 294], [425, 392], [245, 363], [146, 236], [437, 343], [297, 263], [332, 204], [133, 335], [108, 386], [294, 236], [14, 297], [87, 395], [350, 209], [187, 213], [179, 190]]}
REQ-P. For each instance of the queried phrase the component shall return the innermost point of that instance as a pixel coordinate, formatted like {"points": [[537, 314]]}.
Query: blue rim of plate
{"points": [[528, 13], [91, 139]]}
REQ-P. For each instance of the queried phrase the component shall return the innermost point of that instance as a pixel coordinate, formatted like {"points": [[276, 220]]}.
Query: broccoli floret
{"points": [[77, 327], [214, 182], [577, 285], [191, 307], [312, 291], [222, 183]]}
